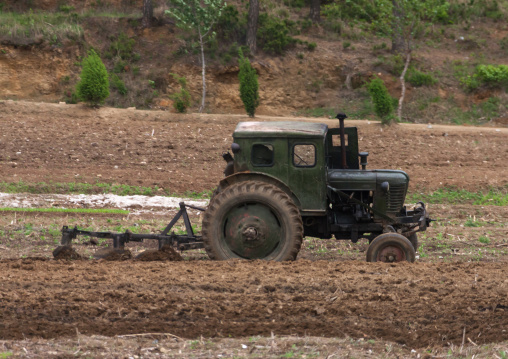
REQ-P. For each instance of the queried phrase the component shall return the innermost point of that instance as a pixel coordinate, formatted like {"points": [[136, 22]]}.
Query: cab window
{"points": [[262, 154], [304, 155]]}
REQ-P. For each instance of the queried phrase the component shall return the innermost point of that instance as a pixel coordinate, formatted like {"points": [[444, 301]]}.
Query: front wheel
{"points": [[252, 220], [391, 247]]}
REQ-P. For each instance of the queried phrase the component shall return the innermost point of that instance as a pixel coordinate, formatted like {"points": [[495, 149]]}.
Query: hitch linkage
{"points": [[180, 241]]}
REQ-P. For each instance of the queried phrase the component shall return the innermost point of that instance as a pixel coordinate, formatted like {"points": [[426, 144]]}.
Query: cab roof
{"points": [[280, 129]]}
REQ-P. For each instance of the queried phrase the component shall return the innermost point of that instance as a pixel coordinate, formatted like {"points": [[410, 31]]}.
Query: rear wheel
{"points": [[391, 247], [252, 220]]}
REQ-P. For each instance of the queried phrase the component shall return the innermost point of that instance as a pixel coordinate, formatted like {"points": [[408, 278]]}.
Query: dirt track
{"points": [[421, 305]]}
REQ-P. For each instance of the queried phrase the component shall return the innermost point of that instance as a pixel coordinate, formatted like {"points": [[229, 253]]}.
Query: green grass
{"points": [[64, 210], [96, 188], [484, 239], [53, 27], [494, 197]]}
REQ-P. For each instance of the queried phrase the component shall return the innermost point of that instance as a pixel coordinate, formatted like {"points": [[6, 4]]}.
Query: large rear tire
{"points": [[391, 247], [252, 220]]}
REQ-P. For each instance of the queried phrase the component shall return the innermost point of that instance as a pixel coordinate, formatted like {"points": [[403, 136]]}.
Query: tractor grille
{"points": [[396, 197]]}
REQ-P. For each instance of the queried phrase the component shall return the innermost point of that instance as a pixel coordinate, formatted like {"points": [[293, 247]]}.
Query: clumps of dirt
{"points": [[112, 254], [66, 253], [166, 253]]}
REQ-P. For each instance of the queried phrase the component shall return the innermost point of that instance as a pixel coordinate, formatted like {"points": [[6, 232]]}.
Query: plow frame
{"points": [[180, 241]]}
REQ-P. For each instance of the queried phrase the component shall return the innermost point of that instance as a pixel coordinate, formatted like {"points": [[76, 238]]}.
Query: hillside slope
{"points": [[40, 57]]}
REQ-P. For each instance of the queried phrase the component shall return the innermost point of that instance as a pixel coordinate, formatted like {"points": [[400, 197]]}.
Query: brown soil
{"points": [[166, 253], [111, 254], [66, 252], [74, 143], [419, 305], [457, 289]]}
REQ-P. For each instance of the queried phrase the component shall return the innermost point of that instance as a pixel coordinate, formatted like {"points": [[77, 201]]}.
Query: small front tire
{"points": [[391, 247]]}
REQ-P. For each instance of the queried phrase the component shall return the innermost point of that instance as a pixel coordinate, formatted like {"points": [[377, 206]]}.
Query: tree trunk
{"points": [[203, 69], [397, 35], [252, 25], [315, 10], [403, 85], [147, 13]]}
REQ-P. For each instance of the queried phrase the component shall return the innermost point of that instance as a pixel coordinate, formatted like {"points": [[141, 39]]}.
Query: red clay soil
{"points": [[420, 305], [43, 142]]}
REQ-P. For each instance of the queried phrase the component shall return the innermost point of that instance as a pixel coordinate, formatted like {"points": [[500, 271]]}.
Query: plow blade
{"points": [[167, 241]]}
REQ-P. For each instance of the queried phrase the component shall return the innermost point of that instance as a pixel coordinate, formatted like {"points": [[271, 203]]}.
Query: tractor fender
{"points": [[257, 176]]}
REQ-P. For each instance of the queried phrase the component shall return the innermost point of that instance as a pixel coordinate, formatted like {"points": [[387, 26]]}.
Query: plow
{"points": [[168, 241], [283, 182]]}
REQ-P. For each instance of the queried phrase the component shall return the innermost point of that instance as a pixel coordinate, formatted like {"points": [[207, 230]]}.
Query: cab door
{"points": [[306, 173]]}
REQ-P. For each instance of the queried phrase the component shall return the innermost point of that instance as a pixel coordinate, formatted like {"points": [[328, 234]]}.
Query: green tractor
{"points": [[288, 180]]}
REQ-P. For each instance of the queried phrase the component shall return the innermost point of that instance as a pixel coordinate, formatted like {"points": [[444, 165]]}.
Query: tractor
{"points": [[288, 180]]}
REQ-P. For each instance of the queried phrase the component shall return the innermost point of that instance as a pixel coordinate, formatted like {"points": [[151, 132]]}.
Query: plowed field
{"points": [[452, 301]]}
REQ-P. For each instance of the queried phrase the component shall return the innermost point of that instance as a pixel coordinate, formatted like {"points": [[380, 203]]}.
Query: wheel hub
{"points": [[250, 234], [252, 231], [391, 254]]}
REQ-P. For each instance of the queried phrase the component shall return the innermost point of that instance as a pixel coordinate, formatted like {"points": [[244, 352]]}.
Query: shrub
{"points": [[311, 46], [229, 27], [116, 82], [383, 103], [273, 34], [248, 85], [71, 97], [181, 99], [93, 87], [418, 78], [492, 74], [120, 66], [122, 47]]}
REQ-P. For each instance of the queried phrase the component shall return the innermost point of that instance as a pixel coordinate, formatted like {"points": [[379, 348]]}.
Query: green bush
{"points": [[93, 87], [122, 47], [273, 34], [229, 25], [383, 103], [311, 46], [117, 83], [493, 74], [182, 98], [418, 78], [248, 85], [120, 66], [71, 97]]}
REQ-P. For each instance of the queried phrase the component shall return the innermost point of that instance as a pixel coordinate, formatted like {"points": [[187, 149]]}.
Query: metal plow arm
{"points": [[182, 242]]}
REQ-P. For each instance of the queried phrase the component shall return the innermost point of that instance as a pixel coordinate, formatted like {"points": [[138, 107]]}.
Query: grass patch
{"points": [[95, 188], [318, 112], [494, 197], [28, 27], [53, 27], [64, 210]]}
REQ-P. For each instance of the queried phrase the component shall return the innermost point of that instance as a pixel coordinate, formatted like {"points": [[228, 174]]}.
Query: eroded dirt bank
{"points": [[418, 304]]}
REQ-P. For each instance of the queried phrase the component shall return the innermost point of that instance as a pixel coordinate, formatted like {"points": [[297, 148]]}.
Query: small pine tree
{"points": [[94, 84], [248, 85], [383, 103]]}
